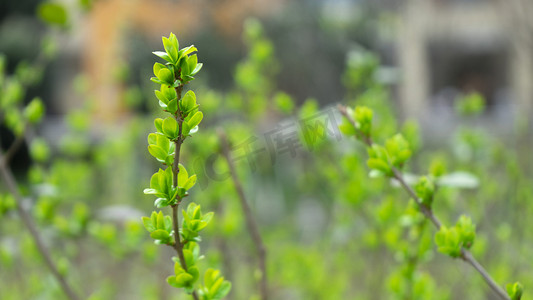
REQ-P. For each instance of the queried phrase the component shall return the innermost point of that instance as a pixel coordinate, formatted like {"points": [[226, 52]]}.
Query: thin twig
{"points": [[10, 181], [26, 218], [426, 210], [428, 213], [178, 246], [250, 220], [175, 171], [12, 150]]}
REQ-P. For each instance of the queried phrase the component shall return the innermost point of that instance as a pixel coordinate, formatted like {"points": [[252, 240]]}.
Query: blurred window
{"points": [[455, 67]]}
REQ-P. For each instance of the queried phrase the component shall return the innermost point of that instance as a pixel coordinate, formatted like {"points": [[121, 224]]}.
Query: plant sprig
{"points": [[20, 120], [171, 185], [388, 161]]}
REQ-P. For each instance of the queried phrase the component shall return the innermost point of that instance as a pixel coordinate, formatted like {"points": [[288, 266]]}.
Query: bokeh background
{"points": [[454, 76]]}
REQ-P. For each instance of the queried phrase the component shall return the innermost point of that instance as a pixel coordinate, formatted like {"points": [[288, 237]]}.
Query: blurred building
{"points": [[105, 26], [443, 48], [448, 47]]}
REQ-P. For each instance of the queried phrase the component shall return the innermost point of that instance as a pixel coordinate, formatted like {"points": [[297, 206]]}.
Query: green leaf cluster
{"points": [[34, 111], [13, 89], [398, 150], [379, 160], [425, 189], [382, 159], [193, 222], [467, 230], [53, 13], [169, 126], [161, 148], [451, 240], [11, 95], [437, 167], [167, 96], [363, 119], [161, 186], [284, 102], [362, 67], [187, 278], [183, 63], [215, 287], [160, 227], [39, 150], [362, 116], [515, 290], [395, 153]]}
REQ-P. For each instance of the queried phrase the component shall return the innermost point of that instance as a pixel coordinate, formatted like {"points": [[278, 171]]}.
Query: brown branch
{"points": [[253, 229], [428, 213], [10, 181]]}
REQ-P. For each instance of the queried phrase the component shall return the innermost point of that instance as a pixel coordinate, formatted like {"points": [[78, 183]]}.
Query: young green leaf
{"points": [[183, 175], [165, 76], [171, 49], [34, 111], [172, 106], [515, 290], [158, 123], [188, 102], [170, 128], [160, 234], [191, 181], [52, 13], [157, 152], [195, 119], [147, 222], [158, 67], [162, 55]]}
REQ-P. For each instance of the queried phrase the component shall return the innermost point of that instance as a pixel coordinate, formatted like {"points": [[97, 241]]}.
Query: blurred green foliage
{"points": [[53, 13], [331, 232]]}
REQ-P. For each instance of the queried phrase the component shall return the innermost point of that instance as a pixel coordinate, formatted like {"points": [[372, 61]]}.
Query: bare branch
{"points": [[10, 181], [253, 229]]}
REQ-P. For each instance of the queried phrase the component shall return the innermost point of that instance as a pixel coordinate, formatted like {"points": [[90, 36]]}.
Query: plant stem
{"points": [[175, 172], [428, 213], [178, 245], [423, 208], [465, 254], [253, 229], [10, 181], [13, 149]]}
